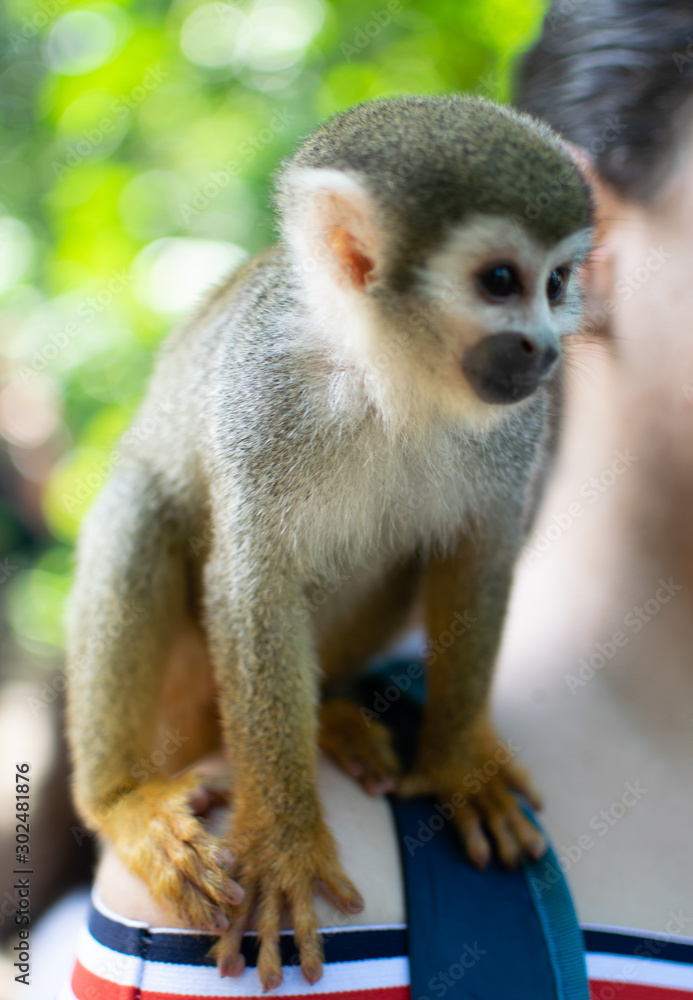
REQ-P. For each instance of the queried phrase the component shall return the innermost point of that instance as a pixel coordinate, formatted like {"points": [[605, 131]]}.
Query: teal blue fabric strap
{"points": [[491, 935], [564, 942]]}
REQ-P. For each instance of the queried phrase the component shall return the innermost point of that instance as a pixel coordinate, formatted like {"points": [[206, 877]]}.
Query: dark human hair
{"points": [[615, 77]]}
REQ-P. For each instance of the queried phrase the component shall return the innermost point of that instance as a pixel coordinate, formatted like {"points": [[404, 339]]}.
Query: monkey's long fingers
{"points": [[342, 890], [520, 779], [203, 862], [200, 909], [269, 962], [227, 950], [468, 822], [529, 840], [496, 819], [306, 933], [190, 880]]}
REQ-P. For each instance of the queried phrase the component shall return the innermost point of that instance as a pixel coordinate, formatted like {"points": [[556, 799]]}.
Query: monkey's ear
{"points": [[331, 222]]}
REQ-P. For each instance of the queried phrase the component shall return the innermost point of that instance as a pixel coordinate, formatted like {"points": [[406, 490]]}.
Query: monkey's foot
{"points": [[476, 792], [156, 833], [360, 746], [281, 865]]}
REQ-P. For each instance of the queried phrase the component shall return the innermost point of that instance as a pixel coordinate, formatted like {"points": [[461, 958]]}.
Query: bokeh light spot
{"points": [[171, 275], [16, 251], [209, 35], [80, 41], [29, 411]]}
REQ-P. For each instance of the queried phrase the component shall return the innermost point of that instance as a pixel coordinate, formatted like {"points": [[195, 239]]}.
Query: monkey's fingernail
{"points": [[272, 982], [222, 857], [232, 966], [198, 802], [312, 971], [379, 786], [356, 904], [221, 921], [537, 848], [234, 893], [479, 855]]}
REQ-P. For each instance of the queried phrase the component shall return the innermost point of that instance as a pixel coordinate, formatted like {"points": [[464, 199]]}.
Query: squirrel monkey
{"points": [[360, 424]]}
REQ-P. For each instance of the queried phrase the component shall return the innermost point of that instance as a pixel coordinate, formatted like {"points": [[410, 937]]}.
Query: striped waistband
{"points": [[628, 965], [124, 960]]}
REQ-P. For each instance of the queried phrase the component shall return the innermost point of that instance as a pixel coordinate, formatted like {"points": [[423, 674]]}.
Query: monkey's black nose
{"points": [[507, 367]]}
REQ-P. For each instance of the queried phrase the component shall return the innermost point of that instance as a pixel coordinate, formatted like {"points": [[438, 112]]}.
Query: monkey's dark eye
{"points": [[500, 282], [555, 286]]}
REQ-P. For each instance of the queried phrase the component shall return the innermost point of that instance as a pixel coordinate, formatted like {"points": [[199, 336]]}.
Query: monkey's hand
{"points": [[474, 784], [156, 832], [279, 863]]}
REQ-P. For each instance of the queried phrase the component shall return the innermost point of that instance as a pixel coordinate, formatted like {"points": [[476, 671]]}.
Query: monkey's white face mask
{"points": [[484, 319]]}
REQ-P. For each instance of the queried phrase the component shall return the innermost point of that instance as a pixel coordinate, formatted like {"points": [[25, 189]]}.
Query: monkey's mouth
{"points": [[508, 367]]}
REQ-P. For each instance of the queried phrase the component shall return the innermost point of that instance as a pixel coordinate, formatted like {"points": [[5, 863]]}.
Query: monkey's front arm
{"points": [[263, 656]]}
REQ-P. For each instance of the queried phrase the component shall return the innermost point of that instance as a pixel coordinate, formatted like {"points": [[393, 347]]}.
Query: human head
{"points": [[615, 77]]}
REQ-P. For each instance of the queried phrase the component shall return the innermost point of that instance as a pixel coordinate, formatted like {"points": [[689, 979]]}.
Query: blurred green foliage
{"points": [[137, 143]]}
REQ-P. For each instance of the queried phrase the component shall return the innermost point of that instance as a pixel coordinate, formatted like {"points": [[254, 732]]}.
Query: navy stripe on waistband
{"points": [[347, 945], [637, 946]]}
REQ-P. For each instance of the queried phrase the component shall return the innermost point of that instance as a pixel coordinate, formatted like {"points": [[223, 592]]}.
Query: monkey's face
{"points": [[503, 302], [474, 327]]}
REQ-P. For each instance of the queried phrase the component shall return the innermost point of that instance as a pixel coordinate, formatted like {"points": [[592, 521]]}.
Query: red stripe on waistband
{"points": [[602, 989], [87, 986]]}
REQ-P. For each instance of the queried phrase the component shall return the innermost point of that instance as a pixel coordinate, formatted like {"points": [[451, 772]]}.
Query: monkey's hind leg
{"points": [[129, 592]]}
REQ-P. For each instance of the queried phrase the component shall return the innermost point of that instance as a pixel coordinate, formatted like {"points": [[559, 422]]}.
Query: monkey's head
{"points": [[436, 240]]}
